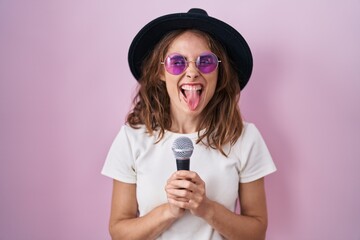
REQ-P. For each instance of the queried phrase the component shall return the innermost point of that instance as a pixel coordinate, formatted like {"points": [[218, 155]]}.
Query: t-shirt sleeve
{"points": [[119, 163], [255, 158]]}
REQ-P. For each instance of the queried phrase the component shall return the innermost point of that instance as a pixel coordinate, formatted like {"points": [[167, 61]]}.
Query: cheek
{"points": [[213, 83], [210, 90], [171, 86]]}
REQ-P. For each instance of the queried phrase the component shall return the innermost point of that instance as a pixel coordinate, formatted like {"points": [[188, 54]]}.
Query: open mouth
{"points": [[192, 94]]}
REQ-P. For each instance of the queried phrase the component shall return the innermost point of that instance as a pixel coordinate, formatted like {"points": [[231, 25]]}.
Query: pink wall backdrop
{"points": [[65, 88]]}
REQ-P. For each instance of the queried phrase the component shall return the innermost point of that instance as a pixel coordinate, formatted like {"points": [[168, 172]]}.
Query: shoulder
{"points": [[129, 135], [138, 136], [133, 132], [250, 140], [255, 158], [250, 133]]}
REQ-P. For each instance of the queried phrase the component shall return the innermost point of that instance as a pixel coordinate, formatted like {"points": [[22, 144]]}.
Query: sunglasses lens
{"points": [[175, 64], [207, 63]]}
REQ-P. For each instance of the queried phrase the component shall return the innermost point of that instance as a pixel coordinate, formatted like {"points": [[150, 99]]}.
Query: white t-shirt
{"points": [[135, 158]]}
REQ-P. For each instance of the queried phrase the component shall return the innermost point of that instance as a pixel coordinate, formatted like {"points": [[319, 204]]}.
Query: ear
{"points": [[162, 76]]}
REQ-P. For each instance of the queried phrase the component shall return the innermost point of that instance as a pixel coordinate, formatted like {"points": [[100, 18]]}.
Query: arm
{"points": [[124, 222], [252, 222]]}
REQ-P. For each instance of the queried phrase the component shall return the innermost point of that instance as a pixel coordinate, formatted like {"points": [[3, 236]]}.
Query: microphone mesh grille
{"points": [[182, 148]]}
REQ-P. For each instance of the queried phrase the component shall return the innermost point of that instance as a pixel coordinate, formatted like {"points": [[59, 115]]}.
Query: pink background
{"points": [[65, 88]]}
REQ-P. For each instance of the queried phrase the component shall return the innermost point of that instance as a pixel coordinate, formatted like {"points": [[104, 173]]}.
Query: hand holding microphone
{"points": [[185, 189]]}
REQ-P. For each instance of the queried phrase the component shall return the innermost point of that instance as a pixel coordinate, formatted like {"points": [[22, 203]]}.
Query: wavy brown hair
{"points": [[220, 119]]}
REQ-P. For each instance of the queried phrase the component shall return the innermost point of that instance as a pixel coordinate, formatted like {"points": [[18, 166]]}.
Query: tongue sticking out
{"points": [[192, 98]]}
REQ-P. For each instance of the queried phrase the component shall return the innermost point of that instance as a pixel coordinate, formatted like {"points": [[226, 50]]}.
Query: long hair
{"points": [[220, 119]]}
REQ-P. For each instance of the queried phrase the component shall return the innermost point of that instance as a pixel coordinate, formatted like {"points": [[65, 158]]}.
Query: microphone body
{"points": [[182, 148], [183, 164]]}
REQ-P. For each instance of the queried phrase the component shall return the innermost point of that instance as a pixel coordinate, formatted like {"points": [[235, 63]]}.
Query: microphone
{"points": [[182, 148]]}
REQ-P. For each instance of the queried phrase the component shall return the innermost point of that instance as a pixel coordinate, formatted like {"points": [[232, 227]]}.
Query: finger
{"points": [[186, 174], [173, 176], [190, 176], [176, 198], [179, 204], [181, 193], [186, 184]]}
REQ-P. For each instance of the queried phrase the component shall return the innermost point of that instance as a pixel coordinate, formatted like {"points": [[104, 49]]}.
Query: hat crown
{"points": [[198, 11]]}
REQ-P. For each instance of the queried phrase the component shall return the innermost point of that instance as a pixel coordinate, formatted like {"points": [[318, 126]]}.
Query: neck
{"points": [[184, 124]]}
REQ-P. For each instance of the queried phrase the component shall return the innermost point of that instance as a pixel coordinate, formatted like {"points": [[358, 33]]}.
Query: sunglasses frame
{"points": [[196, 62]]}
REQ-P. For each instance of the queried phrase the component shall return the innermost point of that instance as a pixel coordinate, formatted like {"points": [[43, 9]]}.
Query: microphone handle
{"points": [[183, 164]]}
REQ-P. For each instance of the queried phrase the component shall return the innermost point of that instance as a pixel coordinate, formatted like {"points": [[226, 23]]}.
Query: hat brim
{"points": [[234, 44]]}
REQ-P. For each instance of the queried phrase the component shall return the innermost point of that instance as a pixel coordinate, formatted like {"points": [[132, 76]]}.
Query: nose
{"points": [[192, 71]]}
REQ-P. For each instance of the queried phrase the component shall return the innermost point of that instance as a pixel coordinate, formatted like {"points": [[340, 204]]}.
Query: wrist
{"points": [[169, 214], [210, 211]]}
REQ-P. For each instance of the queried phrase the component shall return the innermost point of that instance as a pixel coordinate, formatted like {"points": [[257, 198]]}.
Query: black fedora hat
{"points": [[235, 45]]}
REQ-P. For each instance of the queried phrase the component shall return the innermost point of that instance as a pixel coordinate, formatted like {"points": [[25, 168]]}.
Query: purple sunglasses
{"points": [[176, 63]]}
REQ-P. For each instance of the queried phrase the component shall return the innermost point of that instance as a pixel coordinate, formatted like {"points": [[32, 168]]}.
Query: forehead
{"points": [[189, 43]]}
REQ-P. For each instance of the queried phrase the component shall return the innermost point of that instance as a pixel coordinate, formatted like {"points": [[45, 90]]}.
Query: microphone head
{"points": [[182, 148]]}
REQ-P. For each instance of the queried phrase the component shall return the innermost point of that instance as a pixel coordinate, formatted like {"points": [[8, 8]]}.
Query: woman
{"points": [[191, 69]]}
